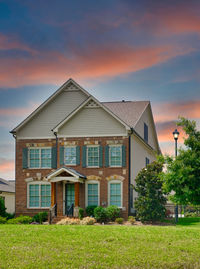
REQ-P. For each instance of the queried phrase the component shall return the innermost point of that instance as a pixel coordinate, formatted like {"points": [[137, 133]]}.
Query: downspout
{"points": [[15, 137], [56, 135], [129, 172]]}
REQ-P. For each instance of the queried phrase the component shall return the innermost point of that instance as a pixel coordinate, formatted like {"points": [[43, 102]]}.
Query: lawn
{"points": [[54, 246]]}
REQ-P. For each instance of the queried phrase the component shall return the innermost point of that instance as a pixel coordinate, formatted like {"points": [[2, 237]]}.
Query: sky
{"points": [[117, 50]]}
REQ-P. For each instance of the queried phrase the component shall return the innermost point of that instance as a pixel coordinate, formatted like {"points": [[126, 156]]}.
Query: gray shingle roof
{"points": [[7, 186], [128, 111]]}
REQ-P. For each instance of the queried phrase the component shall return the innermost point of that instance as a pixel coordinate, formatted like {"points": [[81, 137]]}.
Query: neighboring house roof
{"points": [[7, 186]]}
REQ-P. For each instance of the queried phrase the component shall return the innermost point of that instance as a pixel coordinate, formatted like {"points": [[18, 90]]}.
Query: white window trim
{"points": [[115, 181], [36, 183], [64, 155], [86, 190], [39, 156], [110, 146], [91, 146]]}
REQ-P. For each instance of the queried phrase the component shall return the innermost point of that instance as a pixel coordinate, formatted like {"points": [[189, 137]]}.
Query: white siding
{"points": [[53, 113], [92, 122], [9, 201]]}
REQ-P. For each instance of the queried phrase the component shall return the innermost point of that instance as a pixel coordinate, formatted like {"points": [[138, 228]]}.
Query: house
{"points": [[7, 192], [74, 151]]}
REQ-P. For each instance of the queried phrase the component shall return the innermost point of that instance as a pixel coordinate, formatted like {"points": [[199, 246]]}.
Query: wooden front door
{"points": [[69, 199]]}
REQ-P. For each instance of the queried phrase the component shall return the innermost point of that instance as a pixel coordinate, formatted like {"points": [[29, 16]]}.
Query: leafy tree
{"points": [[182, 177], [150, 204], [2, 208]]}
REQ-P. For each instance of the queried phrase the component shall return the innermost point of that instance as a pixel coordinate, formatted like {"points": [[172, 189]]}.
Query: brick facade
{"points": [[103, 173]]}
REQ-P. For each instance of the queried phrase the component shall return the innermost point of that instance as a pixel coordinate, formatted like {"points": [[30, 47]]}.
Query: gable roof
{"points": [[69, 170], [7, 186]]}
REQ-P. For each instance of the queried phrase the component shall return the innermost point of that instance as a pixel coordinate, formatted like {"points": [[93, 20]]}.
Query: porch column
{"points": [[77, 194], [53, 193]]}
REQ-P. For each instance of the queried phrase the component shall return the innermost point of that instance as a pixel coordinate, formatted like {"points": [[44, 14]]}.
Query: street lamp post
{"points": [[176, 135]]}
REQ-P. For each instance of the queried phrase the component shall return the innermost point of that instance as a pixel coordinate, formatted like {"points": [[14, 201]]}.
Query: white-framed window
{"points": [[115, 155], [38, 194], [70, 155], [39, 157], [115, 193], [92, 156], [92, 192]]}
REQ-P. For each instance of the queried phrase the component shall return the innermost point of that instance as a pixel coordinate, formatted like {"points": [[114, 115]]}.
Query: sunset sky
{"points": [[132, 50]]}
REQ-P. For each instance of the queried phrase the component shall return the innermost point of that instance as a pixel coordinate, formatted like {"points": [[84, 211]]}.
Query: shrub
{"points": [[68, 221], [81, 213], [41, 217], [131, 219], [119, 220], [2, 220], [13, 221], [113, 212], [20, 220], [9, 216], [2, 208], [88, 221], [90, 210], [100, 214]]}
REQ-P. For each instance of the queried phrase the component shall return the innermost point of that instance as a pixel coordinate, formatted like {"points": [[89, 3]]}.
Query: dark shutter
{"points": [[123, 155], [61, 155], [84, 149], [146, 132], [53, 158], [107, 156], [100, 156], [25, 158], [78, 155]]}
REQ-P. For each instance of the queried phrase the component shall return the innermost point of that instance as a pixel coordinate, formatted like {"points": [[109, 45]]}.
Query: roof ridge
{"points": [[124, 101]]}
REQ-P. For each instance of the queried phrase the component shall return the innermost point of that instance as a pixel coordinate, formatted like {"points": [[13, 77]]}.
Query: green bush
{"points": [[131, 219], [100, 214], [20, 220], [81, 213], [9, 216], [2, 220], [119, 220], [13, 221], [90, 210], [2, 208], [113, 212], [41, 217]]}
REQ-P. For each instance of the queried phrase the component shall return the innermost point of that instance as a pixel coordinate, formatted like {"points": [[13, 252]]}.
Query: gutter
{"points": [[129, 172], [15, 136]]}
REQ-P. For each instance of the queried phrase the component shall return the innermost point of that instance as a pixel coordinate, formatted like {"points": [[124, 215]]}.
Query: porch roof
{"points": [[74, 175]]}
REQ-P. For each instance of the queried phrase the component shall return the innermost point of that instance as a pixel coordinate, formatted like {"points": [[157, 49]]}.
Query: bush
{"points": [[88, 221], [113, 212], [2, 208], [20, 220], [68, 221], [81, 213], [119, 220], [100, 214], [9, 216], [13, 221], [2, 220], [90, 210], [131, 219], [41, 217]]}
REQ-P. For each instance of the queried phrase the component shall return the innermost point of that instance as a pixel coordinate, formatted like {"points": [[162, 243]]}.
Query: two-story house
{"points": [[76, 150]]}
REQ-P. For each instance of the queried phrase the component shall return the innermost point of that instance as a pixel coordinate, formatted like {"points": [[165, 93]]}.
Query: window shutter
{"points": [[61, 155], [78, 155], [106, 156], [123, 155], [84, 156], [100, 156], [53, 158], [25, 158]]}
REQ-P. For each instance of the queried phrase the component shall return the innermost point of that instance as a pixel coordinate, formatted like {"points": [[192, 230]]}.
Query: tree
{"points": [[182, 177], [150, 204], [2, 208]]}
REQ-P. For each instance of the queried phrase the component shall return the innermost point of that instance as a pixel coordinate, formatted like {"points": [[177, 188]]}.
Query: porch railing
{"points": [[52, 213], [70, 211]]}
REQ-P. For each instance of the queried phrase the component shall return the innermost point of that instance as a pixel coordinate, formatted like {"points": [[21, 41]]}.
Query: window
{"points": [[146, 161], [115, 155], [145, 132], [40, 158], [39, 195], [115, 193], [93, 156], [92, 193], [70, 155]]}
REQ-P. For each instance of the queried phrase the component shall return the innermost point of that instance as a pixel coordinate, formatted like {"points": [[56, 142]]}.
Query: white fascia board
{"points": [[62, 169]]}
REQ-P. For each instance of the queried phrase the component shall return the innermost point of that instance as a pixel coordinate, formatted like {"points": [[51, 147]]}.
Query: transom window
{"points": [[40, 158], [70, 155], [115, 155], [39, 195], [93, 156], [116, 194], [93, 194]]}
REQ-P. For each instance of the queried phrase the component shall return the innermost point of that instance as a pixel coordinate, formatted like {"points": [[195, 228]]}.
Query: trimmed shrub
{"points": [[88, 221], [41, 217], [9, 216], [131, 219], [100, 214], [113, 212], [13, 221], [119, 220], [20, 220], [2, 220], [90, 210], [2, 208], [81, 213]]}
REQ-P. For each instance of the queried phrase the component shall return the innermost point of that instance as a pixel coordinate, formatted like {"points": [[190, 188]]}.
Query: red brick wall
{"points": [[22, 174]]}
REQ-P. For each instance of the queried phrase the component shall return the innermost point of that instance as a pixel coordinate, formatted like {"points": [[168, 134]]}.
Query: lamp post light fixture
{"points": [[176, 135]]}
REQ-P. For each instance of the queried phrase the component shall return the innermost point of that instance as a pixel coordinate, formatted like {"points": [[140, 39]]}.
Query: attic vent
{"points": [[71, 87], [92, 104]]}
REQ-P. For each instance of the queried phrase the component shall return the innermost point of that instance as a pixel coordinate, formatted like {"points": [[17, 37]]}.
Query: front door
{"points": [[69, 199]]}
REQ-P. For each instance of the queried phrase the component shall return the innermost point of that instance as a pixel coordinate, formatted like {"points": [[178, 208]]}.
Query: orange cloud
{"points": [[7, 166], [18, 111]]}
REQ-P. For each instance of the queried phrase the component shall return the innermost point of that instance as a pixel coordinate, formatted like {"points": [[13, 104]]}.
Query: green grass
{"points": [[189, 221], [54, 246]]}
